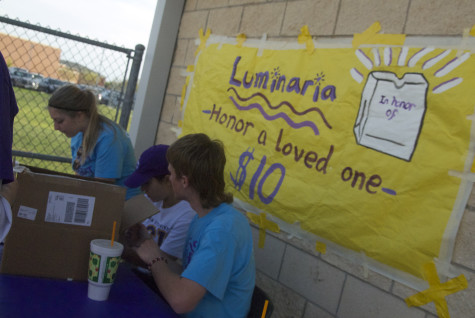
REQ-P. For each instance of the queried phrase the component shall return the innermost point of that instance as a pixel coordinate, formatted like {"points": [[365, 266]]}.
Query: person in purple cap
{"points": [[169, 227]]}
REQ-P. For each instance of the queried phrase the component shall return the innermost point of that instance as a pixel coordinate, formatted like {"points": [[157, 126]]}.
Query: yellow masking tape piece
{"points": [[437, 291], [189, 69], [203, 39], [364, 264], [321, 247], [241, 38], [371, 36], [264, 225], [471, 117], [262, 44], [469, 176], [305, 37], [255, 218], [183, 92], [472, 30], [180, 123], [463, 43]]}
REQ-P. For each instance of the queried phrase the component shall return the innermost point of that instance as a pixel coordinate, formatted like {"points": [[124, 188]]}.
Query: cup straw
{"points": [[264, 311], [113, 233]]}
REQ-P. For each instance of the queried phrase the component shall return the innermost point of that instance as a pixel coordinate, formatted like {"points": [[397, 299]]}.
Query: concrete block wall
{"points": [[300, 281]]}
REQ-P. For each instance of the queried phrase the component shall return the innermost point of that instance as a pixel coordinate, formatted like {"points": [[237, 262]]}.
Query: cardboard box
{"points": [[54, 219], [136, 210]]}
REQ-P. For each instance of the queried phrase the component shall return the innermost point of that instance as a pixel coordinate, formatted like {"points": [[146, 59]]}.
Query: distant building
{"points": [[45, 60], [35, 57]]}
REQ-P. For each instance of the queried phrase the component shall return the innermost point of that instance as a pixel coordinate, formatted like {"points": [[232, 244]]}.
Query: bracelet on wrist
{"points": [[155, 260]]}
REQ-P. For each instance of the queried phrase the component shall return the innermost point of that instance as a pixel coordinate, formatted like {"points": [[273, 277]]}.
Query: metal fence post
{"points": [[131, 85]]}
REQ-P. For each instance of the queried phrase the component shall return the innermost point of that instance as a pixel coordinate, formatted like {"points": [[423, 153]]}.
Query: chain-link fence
{"points": [[41, 60]]}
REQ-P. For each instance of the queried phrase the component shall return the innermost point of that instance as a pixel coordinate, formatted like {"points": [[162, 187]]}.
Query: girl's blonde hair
{"points": [[70, 99]]}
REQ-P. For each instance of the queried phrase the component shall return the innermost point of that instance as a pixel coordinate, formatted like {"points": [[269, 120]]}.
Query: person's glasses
{"points": [[77, 161]]}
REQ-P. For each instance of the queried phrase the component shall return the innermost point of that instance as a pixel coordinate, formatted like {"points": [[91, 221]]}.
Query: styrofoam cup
{"points": [[103, 263]]}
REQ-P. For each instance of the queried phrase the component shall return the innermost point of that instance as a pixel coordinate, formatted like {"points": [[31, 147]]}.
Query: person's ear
{"points": [[80, 114], [185, 182]]}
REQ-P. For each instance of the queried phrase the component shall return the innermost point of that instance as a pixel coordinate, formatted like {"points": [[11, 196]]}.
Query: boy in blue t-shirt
{"points": [[218, 275]]}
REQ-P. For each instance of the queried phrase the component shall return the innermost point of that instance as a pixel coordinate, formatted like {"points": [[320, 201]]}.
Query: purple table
{"points": [[22, 296]]}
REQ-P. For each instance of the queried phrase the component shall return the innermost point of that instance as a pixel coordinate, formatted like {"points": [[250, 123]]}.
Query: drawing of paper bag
{"points": [[391, 113]]}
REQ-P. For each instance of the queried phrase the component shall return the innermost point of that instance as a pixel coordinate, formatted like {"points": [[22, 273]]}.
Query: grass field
{"points": [[33, 130]]}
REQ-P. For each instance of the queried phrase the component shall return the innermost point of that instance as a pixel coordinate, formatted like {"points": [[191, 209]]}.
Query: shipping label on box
{"points": [[27, 213], [69, 208]]}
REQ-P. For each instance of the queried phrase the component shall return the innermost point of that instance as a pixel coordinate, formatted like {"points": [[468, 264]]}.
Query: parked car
{"points": [[21, 78], [49, 85], [11, 69], [109, 97], [96, 90], [36, 79]]}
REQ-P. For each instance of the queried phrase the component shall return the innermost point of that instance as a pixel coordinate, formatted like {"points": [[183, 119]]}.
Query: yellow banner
{"points": [[354, 144]]}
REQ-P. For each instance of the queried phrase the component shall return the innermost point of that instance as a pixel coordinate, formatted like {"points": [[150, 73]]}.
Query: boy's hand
{"points": [[136, 235]]}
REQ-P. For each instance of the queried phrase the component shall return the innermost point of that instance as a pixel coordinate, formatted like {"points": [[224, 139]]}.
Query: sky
{"points": [[120, 22]]}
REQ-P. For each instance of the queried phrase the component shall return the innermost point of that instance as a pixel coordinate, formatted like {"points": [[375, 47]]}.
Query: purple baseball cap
{"points": [[152, 163]]}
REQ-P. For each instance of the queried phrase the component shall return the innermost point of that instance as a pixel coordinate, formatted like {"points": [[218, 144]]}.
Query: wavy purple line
{"points": [[276, 116], [315, 109]]}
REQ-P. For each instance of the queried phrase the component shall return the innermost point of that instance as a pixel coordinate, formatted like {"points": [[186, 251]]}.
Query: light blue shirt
{"points": [[219, 256], [113, 157]]}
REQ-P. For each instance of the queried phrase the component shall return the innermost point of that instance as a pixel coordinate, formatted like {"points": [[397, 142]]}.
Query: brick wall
{"points": [[35, 57], [300, 281]]}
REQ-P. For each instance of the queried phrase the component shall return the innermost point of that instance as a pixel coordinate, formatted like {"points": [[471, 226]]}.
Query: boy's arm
{"points": [[181, 293]]}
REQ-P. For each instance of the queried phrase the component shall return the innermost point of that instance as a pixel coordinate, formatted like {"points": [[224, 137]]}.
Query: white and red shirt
{"points": [[169, 227]]}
